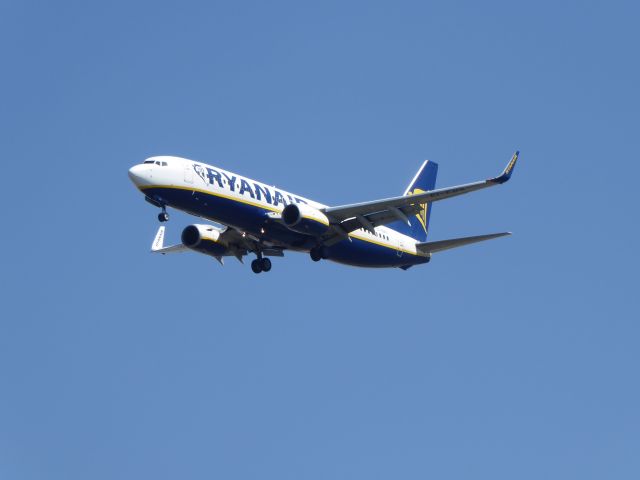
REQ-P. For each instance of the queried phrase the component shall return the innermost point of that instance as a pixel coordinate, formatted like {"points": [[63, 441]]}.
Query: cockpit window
{"points": [[157, 162]]}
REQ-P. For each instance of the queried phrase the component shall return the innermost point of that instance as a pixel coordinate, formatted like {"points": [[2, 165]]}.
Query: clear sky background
{"points": [[517, 358]]}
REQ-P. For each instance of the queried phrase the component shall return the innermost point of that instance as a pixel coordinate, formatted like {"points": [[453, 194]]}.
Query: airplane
{"points": [[255, 218]]}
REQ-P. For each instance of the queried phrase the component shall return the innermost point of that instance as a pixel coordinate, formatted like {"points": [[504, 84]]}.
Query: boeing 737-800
{"points": [[266, 221]]}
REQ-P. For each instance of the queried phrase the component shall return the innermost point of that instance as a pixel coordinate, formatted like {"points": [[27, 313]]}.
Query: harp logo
{"points": [[199, 169], [422, 214]]}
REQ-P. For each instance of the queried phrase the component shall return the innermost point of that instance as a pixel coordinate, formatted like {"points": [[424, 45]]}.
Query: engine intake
{"points": [[302, 218], [204, 239]]}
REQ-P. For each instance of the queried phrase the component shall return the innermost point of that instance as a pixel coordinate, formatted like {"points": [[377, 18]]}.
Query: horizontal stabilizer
{"points": [[439, 246]]}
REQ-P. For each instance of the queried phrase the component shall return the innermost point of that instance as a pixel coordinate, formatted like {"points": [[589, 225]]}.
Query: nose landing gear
{"points": [[163, 216], [156, 201]]}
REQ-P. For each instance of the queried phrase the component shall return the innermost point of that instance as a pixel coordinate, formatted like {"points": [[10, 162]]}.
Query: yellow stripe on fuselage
{"points": [[391, 247], [215, 194]]}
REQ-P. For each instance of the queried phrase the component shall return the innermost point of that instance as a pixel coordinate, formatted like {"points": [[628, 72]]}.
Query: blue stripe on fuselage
{"points": [[252, 218]]}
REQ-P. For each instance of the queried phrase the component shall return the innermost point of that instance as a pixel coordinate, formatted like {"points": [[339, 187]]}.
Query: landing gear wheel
{"points": [[163, 217], [315, 254], [256, 266], [265, 264]]}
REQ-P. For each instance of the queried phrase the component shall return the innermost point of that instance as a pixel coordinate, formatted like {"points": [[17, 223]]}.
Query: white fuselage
{"points": [[247, 205]]}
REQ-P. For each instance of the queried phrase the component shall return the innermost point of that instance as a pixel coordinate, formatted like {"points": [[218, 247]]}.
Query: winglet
{"points": [[158, 242], [506, 173]]}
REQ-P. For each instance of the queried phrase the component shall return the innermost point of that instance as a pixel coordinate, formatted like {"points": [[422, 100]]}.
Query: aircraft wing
{"points": [[439, 246], [244, 243], [380, 212], [238, 245]]}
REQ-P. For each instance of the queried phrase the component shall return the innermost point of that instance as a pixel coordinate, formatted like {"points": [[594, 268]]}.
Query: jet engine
{"points": [[204, 239], [302, 218]]}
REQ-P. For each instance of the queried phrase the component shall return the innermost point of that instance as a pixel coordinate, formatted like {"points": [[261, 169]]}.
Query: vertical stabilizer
{"points": [[423, 181]]}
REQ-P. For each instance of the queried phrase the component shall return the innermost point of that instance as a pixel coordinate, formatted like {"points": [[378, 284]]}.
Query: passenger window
{"points": [[164, 164]]}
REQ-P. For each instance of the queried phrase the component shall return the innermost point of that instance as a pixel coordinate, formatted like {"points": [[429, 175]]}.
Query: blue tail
{"points": [[424, 181]]}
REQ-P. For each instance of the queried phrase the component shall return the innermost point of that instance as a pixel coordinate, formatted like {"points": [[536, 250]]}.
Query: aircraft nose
{"points": [[139, 174]]}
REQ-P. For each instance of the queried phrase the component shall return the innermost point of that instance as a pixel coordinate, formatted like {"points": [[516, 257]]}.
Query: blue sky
{"points": [[516, 358]]}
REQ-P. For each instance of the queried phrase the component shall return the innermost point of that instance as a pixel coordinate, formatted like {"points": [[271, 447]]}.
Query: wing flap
{"points": [[382, 217]]}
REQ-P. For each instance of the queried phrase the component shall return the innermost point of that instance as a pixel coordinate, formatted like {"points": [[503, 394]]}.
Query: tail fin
{"points": [[424, 180]]}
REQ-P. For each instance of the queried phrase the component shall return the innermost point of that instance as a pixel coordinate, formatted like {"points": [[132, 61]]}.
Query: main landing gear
{"points": [[318, 253], [163, 216], [261, 264]]}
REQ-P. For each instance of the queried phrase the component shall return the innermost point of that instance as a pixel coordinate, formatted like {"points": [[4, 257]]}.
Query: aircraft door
{"points": [[188, 173]]}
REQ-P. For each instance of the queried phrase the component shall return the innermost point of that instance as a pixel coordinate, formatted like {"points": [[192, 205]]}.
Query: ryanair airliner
{"points": [[254, 218]]}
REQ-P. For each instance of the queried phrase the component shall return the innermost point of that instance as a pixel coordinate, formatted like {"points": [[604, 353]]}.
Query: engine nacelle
{"points": [[305, 219], [204, 239]]}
